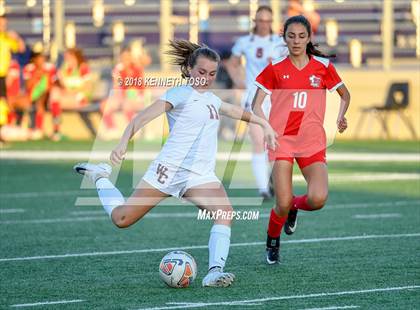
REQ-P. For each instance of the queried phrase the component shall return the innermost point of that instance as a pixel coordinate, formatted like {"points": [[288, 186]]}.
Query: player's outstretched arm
{"points": [[257, 103], [236, 112], [344, 105], [139, 121]]}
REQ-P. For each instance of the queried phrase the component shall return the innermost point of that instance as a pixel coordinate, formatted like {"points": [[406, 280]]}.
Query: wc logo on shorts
{"points": [[161, 172], [315, 81]]}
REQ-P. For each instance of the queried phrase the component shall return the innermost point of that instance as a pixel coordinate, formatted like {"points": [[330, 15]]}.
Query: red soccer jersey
{"points": [[13, 79], [298, 102], [48, 70], [128, 78]]}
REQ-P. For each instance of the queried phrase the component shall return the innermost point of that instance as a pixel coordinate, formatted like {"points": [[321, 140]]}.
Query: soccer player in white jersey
{"points": [[185, 166], [259, 49]]}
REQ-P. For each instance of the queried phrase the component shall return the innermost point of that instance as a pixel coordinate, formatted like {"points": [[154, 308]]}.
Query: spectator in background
{"points": [[17, 99], [10, 42], [74, 87], [307, 9], [259, 48], [39, 76], [224, 82], [127, 91]]}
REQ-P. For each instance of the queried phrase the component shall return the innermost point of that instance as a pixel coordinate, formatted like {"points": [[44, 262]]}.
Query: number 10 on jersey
{"points": [[299, 101]]}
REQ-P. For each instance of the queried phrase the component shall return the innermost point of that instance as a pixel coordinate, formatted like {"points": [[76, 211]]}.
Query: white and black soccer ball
{"points": [[178, 269]]}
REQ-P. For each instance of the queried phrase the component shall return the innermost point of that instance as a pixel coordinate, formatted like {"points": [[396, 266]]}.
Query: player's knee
{"points": [[283, 205], [120, 220], [318, 200], [224, 215], [226, 209]]}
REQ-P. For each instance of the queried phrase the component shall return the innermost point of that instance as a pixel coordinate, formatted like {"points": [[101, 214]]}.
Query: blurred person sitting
{"points": [[39, 76], [17, 97], [73, 89], [127, 91], [10, 42]]}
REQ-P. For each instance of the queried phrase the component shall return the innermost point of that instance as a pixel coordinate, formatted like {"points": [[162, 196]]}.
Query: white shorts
{"points": [[248, 97], [174, 180]]}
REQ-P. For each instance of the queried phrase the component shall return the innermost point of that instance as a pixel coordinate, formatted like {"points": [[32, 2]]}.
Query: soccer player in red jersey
{"points": [[127, 92], [297, 85], [39, 76]]}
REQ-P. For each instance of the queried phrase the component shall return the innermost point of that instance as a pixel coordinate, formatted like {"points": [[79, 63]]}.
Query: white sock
{"points": [[109, 195], [219, 243], [260, 169]]}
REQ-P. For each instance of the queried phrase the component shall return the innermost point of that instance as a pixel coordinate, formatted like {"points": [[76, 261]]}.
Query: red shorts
{"points": [[306, 161]]}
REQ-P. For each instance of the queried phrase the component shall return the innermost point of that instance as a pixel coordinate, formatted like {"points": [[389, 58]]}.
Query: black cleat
{"points": [[273, 250], [291, 222]]}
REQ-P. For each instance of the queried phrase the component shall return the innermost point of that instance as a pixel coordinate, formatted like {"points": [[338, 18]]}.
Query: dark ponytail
{"points": [[311, 48], [185, 53]]}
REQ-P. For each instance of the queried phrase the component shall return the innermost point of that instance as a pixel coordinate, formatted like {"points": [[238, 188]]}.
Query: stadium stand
{"points": [[356, 19]]}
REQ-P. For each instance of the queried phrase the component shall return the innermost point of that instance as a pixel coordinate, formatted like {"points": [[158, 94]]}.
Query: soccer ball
{"points": [[178, 269]]}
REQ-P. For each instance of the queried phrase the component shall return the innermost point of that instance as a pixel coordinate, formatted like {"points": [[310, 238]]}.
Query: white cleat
{"points": [[218, 278], [92, 171]]}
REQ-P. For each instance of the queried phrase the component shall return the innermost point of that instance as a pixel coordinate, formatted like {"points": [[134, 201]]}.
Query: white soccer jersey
{"points": [[258, 52], [193, 127]]}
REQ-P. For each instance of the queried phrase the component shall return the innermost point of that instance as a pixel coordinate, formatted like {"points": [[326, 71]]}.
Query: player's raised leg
{"points": [[282, 179], [123, 212], [316, 176], [212, 197]]}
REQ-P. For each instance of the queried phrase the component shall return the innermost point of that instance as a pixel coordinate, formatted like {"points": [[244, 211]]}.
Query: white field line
{"points": [[400, 203], [42, 194], [150, 215], [376, 216], [56, 220], [150, 155], [277, 298], [99, 215], [238, 202], [333, 308], [43, 303], [245, 244], [7, 211], [360, 177], [334, 178]]}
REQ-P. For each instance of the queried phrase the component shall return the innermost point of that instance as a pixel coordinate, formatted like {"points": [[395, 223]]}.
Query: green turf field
{"points": [[361, 251]]}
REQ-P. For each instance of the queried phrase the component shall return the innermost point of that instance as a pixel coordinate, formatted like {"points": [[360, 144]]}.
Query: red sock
{"points": [[275, 224], [11, 118], [301, 202], [108, 120], [39, 120], [129, 115], [56, 114]]}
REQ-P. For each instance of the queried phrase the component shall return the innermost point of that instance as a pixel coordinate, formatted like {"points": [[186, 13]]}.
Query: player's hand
{"points": [[342, 124], [117, 155], [270, 137]]}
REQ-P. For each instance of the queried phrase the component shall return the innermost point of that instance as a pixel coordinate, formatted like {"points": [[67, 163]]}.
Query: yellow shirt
{"points": [[8, 45]]}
